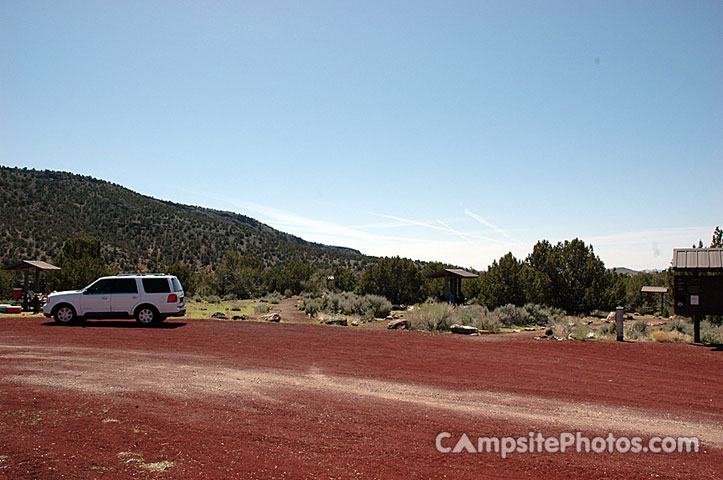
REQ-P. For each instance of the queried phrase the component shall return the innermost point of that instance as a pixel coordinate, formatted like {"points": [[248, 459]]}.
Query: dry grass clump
{"points": [[672, 336]]}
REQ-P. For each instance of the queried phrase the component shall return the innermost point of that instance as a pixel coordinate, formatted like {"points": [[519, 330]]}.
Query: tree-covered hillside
{"points": [[43, 209]]}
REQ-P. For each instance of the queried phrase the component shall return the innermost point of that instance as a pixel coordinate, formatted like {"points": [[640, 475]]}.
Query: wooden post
{"points": [[696, 328], [619, 322], [662, 296], [25, 291]]}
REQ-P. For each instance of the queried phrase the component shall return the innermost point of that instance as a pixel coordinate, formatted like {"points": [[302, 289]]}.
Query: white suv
{"points": [[150, 298]]}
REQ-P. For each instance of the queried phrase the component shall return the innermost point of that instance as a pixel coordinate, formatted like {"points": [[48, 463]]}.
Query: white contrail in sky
{"points": [[481, 220], [452, 230], [445, 228]]}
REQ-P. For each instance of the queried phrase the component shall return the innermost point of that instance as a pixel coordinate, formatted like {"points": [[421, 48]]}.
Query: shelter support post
{"points": [[26, 288], [619, 323], [696, 328], [662, 298]]}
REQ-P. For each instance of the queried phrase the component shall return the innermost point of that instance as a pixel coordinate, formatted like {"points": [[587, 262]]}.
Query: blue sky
{"points": [[452, 131]]}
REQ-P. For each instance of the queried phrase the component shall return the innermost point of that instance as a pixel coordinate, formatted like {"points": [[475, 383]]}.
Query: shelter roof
{"points": [[699, 259], [32, 265], [453, 273]]}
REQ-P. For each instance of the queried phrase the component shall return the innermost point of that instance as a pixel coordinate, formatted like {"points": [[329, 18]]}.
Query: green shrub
{"points": [[213, 299]]}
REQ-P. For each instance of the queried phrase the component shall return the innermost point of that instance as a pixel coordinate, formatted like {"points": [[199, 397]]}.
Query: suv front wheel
{"points": [[147, 315], [64, 314]]}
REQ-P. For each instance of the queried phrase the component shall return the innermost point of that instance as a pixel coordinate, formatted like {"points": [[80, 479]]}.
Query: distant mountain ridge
{"points": [[43, 208], [626, 271]]}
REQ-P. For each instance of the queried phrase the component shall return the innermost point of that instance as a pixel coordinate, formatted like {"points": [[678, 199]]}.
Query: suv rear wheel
{"points": [[147, 315]]}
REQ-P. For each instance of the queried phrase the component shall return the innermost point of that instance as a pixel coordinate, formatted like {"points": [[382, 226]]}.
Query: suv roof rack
{"points": [[142, 275]]}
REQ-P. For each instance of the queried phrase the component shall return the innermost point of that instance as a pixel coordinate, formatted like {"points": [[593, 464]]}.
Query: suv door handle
{"points": [[135, 297]]}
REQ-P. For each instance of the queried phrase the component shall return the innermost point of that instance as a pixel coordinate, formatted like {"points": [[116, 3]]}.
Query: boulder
{"points": [[548, 332], [274, 317], [463, 329], [610, 318], [355, 323], [239, 317], [400, 324], [220, 316], [337, 321], [590, 335]]}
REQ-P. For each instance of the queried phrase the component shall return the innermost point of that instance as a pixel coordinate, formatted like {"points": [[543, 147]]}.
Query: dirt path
{"points": [[85, 370], [255, 400]]}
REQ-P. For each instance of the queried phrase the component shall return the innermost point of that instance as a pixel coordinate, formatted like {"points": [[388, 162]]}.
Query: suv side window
{"points": [[101, 287], [124, 285], [156, 285], [176, 285]]}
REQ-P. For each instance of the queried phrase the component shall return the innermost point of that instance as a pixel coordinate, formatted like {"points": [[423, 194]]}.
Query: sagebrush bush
{"points": [[679, 326], [259, 309], [213, 299], [348, 303], [431, 317], [477, 316], [638, 331], [440, 316], [272, 298], [580, 332], [310, 306], [511, 315], [562, 327], [710, 333], [379, 306], [543, 315]]}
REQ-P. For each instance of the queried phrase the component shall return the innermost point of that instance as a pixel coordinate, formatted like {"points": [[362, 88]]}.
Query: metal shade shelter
{"points": [[28, 266], [455, 276], [661, 290]]}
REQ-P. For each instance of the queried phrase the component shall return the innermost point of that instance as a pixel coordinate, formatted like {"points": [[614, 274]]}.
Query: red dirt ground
{"points": [[221, 399]]}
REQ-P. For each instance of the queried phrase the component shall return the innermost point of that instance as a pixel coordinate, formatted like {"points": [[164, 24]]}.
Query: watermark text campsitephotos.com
{"points": [[536, 442]]}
